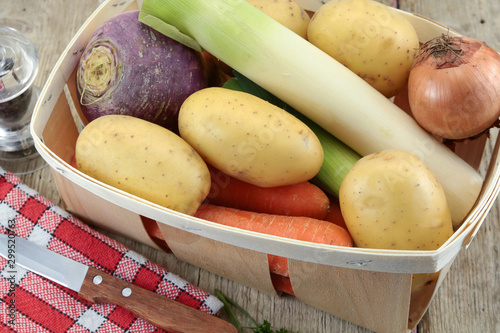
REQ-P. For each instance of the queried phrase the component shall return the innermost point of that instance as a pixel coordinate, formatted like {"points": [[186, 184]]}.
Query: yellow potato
{"points": [[145, 160], [287, 12], [249, 138], [392, 200], [369, 38]]}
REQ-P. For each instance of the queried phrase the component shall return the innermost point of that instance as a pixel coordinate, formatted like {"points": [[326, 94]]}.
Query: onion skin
{"points": [[127, 68], [470, 150], [456, 97]]}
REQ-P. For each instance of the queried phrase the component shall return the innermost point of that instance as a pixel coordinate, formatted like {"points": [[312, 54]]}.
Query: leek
{"points": [[315, 84], [339, 158]]}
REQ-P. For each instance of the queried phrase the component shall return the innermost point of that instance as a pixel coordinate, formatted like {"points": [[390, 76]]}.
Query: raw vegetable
{"points": [[334, 214], [374, 41], [470, 150], [338, 158], [392, 200], [258, 328], [280, 282], [215, 74], [249, 138], [315, 84], [301, 199], [299, 228], [287, 12], [143, 159], [128, 68], [454, 87]]}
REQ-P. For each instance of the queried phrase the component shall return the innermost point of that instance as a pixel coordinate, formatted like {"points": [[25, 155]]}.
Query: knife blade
{"points": [[99, 287]]}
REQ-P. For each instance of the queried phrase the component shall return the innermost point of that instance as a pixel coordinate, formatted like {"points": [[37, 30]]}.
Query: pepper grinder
{"points": [[18, 96]]}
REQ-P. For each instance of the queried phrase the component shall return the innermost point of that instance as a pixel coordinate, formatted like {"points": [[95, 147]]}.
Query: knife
{"points": [[98, 287]]}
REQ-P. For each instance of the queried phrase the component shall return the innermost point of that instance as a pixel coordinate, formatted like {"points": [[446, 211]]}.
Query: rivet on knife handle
{"points": [[159, 310]]}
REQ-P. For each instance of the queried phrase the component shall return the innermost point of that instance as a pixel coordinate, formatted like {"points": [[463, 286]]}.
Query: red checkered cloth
{"points": [[36, 304]]}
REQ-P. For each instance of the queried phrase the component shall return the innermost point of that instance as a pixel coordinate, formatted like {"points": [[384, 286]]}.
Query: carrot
{"points": [[282, 283], [302, 199], [213, 70], [154, 232], [334, 214], [299, 228], [73, 162]]}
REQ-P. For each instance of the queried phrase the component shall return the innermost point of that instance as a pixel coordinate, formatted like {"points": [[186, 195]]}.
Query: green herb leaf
{"points": [[262, 328]]}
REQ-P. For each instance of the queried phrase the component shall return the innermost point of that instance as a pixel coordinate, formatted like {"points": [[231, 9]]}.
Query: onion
{"points": [[454, 87]]}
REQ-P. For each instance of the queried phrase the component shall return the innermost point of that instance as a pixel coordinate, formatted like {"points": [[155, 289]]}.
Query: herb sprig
{"points": [[265, 327]]}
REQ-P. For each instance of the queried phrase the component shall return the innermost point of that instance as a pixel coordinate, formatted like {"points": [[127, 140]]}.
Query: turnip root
{"points": [[128, 68]]}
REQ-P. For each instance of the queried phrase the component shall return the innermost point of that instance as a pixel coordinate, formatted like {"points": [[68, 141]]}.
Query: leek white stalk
{"points": [[314, 84]]}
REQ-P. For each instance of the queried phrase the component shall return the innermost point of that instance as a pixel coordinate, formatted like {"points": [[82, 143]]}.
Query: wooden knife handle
{"points": [[158, 310]]}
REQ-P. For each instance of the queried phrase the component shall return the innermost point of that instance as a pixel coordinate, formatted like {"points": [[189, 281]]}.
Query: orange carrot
{"points": [[334, 214], [214, 72], [299, 228], [73, 162], [154, 232], [302, 199], [282, 283]]}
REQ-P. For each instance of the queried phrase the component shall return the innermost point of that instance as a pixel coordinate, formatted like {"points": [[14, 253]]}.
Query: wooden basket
{"points": [[371, 288]]}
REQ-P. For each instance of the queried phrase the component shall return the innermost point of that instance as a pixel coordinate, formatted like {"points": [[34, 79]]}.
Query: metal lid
{"points": [[18, 63]]}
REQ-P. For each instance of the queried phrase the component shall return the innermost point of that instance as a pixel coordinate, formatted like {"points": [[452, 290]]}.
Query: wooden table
{"points": [[469, 298]]}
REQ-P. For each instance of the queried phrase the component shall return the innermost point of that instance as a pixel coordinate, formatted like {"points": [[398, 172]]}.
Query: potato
{"points": [[143, 159], [392, 200], [375, 42], [249, 138], [287, 12]]}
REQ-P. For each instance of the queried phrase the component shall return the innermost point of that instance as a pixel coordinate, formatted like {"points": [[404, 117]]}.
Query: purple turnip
{"points": [[128, 68]]}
